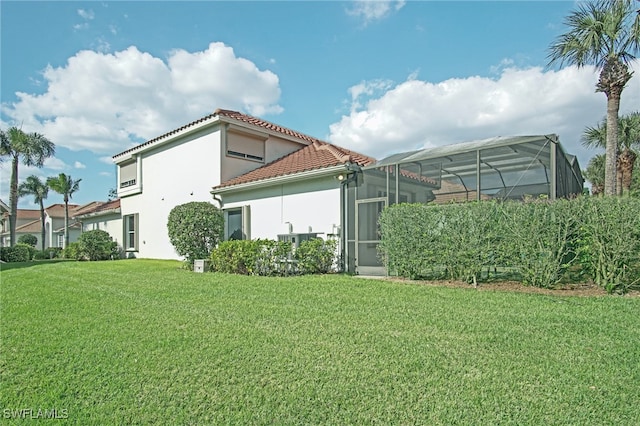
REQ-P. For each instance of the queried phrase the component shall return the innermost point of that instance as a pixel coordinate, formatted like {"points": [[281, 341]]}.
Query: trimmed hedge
{"points": [[29, 239], [18, 253], [538, 240], [269, 257], [194, 229]]}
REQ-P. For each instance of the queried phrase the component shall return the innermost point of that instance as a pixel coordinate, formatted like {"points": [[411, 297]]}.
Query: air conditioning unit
{"points": [[296, 239]]}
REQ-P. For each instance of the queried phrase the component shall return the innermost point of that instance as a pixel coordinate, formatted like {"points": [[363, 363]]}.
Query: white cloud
{"points": [[369, 11], [102, 102], [79, 165], [418, 114], [53, 163], [86, 14]]}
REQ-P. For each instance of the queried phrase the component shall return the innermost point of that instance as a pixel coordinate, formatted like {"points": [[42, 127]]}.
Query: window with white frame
{"points": [[61, 240], [237, 223], [131, 232]]}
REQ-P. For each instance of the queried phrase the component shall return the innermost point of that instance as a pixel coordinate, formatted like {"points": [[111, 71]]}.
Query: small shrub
{"points": [[316, 256], [541, 240], [54, 252], [17, 253], [609, 242], [72, 251], [275, 258], [40, 255], [96, 245], [195, 229], [269, 257], [235, 257], [28, 239]]}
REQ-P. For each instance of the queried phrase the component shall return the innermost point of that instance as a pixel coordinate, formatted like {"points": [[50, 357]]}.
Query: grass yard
{"points": [[144, 342]]}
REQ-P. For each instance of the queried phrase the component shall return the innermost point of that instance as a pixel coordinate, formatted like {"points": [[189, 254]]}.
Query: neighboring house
{"points": [[105, 216], [182, 166], [28, 222], [54, 224], [4, 221], [25, 222]]}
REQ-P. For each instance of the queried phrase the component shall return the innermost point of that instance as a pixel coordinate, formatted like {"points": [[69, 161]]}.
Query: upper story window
{"points": [[247, 146], [128, 174], [129, 177]]}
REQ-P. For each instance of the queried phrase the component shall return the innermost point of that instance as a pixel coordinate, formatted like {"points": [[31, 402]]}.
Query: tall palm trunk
{"points": [[614, 76], [627, 163], [13, 198], [43, 233], [611, 148], [66, 221]]}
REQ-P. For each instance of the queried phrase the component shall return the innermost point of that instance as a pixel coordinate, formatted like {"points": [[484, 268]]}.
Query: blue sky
{"points": [[378, 77]]}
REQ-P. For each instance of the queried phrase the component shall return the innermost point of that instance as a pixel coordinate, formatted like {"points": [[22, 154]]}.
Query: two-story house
{"points": [[184, 164]]}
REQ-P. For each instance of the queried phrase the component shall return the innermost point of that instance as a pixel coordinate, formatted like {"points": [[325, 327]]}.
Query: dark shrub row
{"points": [[540, 241], [19, 253], [92, 245], [268, 257]]}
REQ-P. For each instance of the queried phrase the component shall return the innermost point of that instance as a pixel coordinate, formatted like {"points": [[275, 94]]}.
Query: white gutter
{"points": [[172, 135], [100, 213], [161, 140], [279, 180]]}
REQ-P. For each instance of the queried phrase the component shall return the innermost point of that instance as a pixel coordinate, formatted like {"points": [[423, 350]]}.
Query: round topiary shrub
{"points": [[29, 239], [96, 245], [195, 228]]}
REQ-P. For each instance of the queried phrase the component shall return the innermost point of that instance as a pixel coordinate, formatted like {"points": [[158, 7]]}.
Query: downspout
{"points": [[217, 198]]}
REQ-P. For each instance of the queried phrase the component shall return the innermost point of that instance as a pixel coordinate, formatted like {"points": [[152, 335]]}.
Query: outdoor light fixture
{"points": [[341, 177]]}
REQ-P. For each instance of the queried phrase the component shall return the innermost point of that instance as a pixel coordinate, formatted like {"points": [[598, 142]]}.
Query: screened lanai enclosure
{"points": [[493, 169]]}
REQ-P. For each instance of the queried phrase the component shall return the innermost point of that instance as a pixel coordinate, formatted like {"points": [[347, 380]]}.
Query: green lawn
{"points": [[144, 342]]}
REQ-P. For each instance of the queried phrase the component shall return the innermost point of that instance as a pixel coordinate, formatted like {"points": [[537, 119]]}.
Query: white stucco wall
{"points": [[111, 223], [185, 170], [305, 204], [174, 174]]}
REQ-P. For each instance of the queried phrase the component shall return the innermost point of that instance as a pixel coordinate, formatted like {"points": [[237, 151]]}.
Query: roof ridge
{"points": [[262, 123], [341, 156]]}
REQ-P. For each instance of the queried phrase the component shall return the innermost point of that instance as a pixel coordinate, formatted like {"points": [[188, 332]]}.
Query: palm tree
{"points": [[595, 174], [32, 149], [628, 140], [34, 186], [63, 184], [604, 33]]}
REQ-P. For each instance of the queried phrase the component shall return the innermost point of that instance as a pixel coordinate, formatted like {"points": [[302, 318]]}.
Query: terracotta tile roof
{"points": [[30, 227], [72, 225], [98, 207], [24, 214], [57, 210], [228, 116], [318, 155], [84, 208], [235, 115]]}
